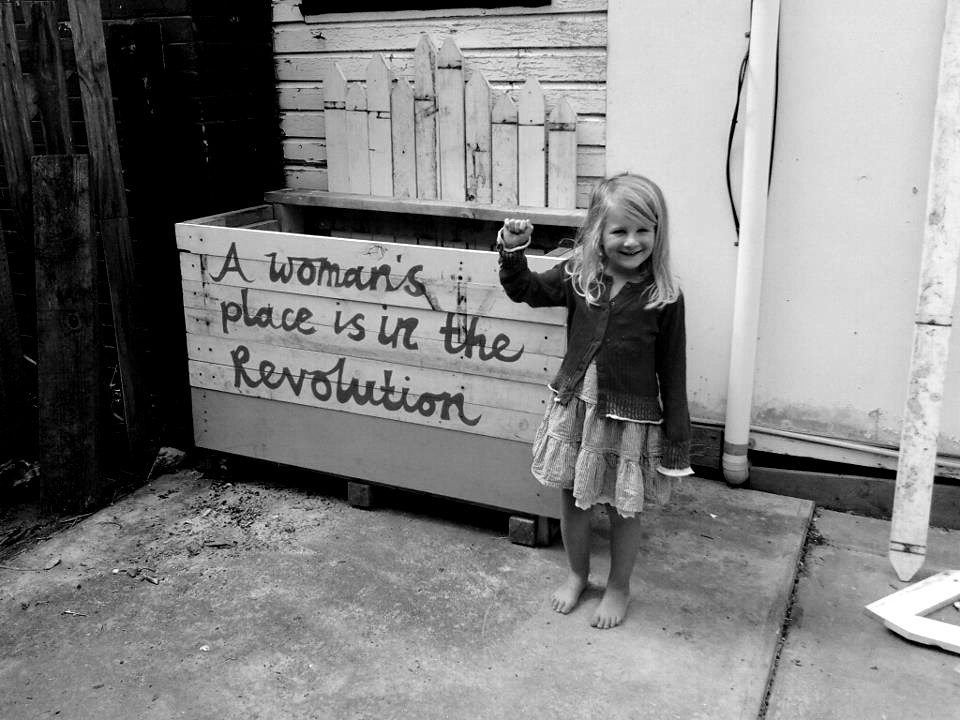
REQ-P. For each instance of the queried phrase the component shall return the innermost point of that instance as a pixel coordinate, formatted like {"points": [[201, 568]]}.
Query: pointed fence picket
{"points": [[530, 145], [450, 123], [358, 140], [378, 127], [503, 132], [335, 120], [478, 136], [402, 136], [425, 109], [448, 137]]}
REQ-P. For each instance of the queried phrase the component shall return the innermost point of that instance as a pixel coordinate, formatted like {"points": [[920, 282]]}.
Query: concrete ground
{"points": [[195, 598]]}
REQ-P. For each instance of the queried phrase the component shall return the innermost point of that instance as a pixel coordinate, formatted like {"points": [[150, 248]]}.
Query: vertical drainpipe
{"points": [[757, 140]]}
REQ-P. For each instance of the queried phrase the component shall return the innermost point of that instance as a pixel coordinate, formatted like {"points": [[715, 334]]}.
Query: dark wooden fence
{"points": [[189, 85]]}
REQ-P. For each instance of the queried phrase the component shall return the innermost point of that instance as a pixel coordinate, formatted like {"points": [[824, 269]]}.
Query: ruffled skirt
{"points": [[602, 460]]}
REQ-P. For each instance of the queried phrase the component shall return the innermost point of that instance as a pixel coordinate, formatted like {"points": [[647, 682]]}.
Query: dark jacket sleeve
{"points": [[544, 289], [672, 377]]}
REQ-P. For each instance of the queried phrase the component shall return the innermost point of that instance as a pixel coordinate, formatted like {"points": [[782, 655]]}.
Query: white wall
{"points": [[847, 201], [671, 86]]}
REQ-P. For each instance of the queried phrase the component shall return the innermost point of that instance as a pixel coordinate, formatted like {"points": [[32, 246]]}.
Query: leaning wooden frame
{"points": [[362, 331]]}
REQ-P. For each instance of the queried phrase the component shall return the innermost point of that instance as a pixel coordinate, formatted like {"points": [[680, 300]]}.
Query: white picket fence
{"points": [[447, 137]]}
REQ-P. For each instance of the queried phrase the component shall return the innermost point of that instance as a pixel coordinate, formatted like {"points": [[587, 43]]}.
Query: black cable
{"points": [[733, 128], [736, 111]]}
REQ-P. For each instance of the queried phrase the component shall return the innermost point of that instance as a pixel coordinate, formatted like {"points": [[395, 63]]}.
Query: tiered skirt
{"points": [[603, 460]]}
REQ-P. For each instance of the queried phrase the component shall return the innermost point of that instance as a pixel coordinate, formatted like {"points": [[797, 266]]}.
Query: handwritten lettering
{"points": [[231, 263], [290, 319], [331, 384], [322, 271], [457, 339], [401, 325], [356, 322]]}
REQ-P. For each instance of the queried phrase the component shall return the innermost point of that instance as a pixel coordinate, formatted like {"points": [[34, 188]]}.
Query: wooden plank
{"points": [[238, 218], [588, 65], [504, 151], [329, 275], [264, 225], [289, 11], [332, 383], [335, 121], [403, 140], [314, 179], [68, 351], [358, 140], [868, 496], [13, 440], [588, 99], [531, 150], [507, 349], [478, 139], [591, 130], [562, 163], [548, 30], [307, 150], [15, 139], [50, 78], [307, 124], [904, 611], [589, 161], [572, 218], [484, 392], [425, 118], [379, 82], [450, 122], [107, 188], [921, 598], [482, 470]]}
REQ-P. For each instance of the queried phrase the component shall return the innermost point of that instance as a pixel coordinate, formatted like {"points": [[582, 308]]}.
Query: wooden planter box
{"points": [[334, 332]]}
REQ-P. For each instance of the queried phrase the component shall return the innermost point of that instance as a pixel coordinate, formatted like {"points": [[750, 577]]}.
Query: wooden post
{"points": [[108, 191], [67, 346], [531, 145], [450, 122], [562, 156], [378, 127], [51, 80], [335, 124], [504, 150], [358, 139], [425, 117], [402, 137], [931, 337], [12, 398], [15, 139], [477, 107]]}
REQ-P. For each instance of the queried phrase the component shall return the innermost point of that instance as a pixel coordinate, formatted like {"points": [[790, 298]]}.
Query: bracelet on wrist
{"points": [[504, 248]]}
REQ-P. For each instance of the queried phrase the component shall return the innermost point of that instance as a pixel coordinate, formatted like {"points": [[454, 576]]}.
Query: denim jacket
{"points": [[640, 353]]}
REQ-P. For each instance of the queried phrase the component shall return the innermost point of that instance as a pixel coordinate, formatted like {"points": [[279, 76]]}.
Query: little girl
{"points": [[618, 429]]}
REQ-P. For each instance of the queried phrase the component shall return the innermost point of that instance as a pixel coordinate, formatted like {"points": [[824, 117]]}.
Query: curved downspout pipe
{"points": [[757, 140]]}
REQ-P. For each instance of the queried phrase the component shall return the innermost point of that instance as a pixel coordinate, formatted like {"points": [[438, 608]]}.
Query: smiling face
{"points": [[627, 242]]}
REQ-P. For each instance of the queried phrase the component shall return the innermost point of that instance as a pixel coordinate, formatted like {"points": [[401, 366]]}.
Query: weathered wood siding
{"points": [[417, 334], [563, 46]]}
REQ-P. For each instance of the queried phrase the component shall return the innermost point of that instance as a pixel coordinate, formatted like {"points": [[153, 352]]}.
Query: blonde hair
{"points": [[641, 200]]}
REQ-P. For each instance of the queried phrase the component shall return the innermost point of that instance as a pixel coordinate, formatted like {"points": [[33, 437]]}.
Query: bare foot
{"points": [[566, 596], [612, 608]]}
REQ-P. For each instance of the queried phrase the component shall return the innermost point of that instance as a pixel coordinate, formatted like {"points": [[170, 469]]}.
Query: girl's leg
{"points": [[625, 538], [575, 528]]}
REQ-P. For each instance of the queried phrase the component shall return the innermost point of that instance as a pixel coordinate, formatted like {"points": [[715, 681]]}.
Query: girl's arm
{"points": [[520, 283], [672, 375]]}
